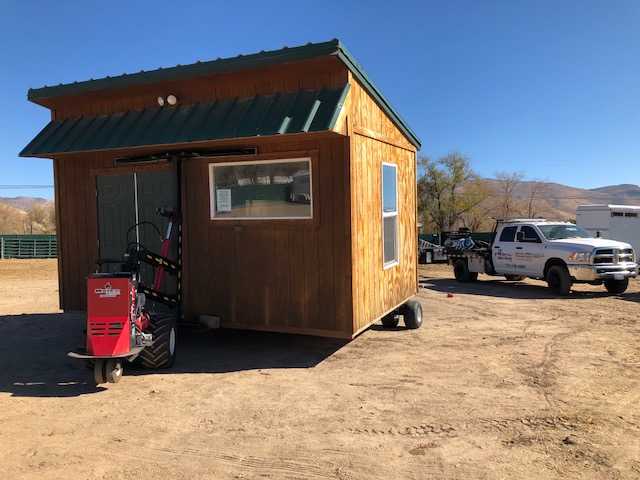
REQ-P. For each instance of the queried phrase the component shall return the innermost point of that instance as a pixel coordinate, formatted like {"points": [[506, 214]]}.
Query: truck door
{"points": [[529, 251], [504, 250]]}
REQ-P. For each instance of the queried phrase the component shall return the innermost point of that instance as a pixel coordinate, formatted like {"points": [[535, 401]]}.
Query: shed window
{"points": [[273, 189], [389, 214]]}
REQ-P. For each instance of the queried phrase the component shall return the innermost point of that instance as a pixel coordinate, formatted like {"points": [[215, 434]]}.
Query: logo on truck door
{"points": [[107, 291]]}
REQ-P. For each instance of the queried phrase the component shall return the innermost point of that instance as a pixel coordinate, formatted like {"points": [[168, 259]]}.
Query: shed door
{"points": [[130, 199], [116, 213]]}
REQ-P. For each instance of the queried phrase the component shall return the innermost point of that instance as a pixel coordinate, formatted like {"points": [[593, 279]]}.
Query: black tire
{"points": [[514, 278], [99, 374], [412, 314], [559, 280], [390, 320], [113, 370], [162, 353], [462, 273], [616, 287]]}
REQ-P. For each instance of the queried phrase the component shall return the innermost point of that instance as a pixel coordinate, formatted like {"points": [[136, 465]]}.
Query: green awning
{"points": [[280, 113]]}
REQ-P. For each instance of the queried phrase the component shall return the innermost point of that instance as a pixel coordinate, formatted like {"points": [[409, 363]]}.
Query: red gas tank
{"points": [[110, 300]]}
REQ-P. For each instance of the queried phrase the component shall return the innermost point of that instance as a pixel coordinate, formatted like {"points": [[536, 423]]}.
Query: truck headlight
{"points": [[580, 257]]}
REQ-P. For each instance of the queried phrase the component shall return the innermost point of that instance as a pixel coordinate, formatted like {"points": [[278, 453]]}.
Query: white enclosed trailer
{"points": [[616, 222]]}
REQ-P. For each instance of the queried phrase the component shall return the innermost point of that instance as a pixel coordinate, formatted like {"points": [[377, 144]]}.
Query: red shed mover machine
{"points": [[119, 326]]}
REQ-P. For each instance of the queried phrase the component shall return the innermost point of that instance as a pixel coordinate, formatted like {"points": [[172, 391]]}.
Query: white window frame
{"points": [[396, 214], [212, 185]]}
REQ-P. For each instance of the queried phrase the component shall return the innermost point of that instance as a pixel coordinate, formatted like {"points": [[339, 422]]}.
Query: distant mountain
{"points": [[623, 193], [17, 215], [559, 202], [23, 203]]}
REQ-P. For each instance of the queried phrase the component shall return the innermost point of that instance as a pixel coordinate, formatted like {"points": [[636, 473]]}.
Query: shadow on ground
{"points": [[33, 352], [513, 290]]}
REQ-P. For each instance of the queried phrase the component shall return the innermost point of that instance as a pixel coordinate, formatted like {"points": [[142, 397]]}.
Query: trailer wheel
{"points": [[616, 287], [162, 353], [412, 314], [514, 278], [559, 280], [462, 273], [390, 320], [99, 375]]}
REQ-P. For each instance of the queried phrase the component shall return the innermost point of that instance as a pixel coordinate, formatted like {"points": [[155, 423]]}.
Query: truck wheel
{"points": [[412, 314], [162, 353], [559, 280], [616, 287], [390, 320], [514, 278], [462, 273]]}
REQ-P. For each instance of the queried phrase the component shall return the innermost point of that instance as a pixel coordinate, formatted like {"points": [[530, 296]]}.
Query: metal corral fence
{"points": [[28, 246]]}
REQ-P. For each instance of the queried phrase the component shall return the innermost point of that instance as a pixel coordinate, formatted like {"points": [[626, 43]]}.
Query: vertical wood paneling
{"points": [[374, 139], [274, 275], [315, 74]]}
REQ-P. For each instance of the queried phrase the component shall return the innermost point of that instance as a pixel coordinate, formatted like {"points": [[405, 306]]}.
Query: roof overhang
{"points": [[304, 111]]}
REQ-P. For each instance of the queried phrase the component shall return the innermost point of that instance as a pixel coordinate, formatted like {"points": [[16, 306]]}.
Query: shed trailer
{"points": [[616, 222], [294, 176]]}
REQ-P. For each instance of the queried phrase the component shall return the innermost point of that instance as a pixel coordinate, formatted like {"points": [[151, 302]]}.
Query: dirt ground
{"points": [[503, 381]]}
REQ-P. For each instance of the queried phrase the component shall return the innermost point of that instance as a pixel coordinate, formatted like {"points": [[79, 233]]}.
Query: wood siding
{"points": [[374, 139], [285, 275], [325, 72], [281, 275]]}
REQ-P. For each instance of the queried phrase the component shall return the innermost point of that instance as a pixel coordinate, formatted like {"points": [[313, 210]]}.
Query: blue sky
{"points": [[548, 88]]}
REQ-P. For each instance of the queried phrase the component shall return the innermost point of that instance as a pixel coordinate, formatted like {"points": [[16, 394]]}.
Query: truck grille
{"points": [[612, 256]]}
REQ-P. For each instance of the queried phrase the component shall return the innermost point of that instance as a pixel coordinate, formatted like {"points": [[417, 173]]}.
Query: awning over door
{"points": [[280, 113]]}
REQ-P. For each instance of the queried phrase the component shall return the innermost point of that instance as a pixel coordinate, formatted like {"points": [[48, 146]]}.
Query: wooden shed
{"points": [[295, 178]]}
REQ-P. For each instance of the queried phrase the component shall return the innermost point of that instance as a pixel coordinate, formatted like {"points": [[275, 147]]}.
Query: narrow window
{"points": [[389, 214], [266, 190]]}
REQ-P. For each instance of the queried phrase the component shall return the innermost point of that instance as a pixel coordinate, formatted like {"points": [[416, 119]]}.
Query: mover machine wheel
{"points": [[113, 370], [99, 375], [462, 273], [616, 287], [412, 314], [559, 280], [390, 320], [107, 370], [162, 353]]}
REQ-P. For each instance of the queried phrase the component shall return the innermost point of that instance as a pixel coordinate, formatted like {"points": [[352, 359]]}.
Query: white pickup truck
{"points": [[559, 252]]}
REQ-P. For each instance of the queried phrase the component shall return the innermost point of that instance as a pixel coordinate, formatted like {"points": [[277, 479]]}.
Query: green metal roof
{"points": [[222, 65], [280, 113]]}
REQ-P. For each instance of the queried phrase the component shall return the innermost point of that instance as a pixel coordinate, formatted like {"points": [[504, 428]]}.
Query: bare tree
{"points": [[535, 194], [506, 188], [40, 218]]}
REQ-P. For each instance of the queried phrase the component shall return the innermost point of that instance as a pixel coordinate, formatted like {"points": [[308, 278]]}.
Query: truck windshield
{"points": [[561, 231]]}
